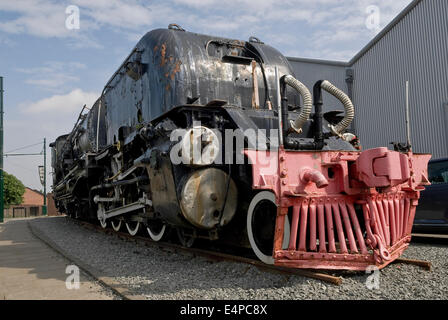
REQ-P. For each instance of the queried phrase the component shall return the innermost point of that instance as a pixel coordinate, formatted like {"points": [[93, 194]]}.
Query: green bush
{"points": [[13, 190]]}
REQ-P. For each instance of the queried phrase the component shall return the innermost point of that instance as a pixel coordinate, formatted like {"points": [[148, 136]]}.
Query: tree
{"points": [[13, 190]]}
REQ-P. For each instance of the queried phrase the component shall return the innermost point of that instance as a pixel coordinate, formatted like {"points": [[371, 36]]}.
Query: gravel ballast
{"points": [[155, 273]]}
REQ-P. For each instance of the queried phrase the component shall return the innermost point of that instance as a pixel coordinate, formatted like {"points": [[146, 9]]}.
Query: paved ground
{"points": [[29, 269]]}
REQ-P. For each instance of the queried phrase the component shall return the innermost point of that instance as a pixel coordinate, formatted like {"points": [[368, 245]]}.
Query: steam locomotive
{"points": [[215, 138]]}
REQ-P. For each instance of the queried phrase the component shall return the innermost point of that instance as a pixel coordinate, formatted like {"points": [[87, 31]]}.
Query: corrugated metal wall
{"points": [[309, 71], [415, 49]]}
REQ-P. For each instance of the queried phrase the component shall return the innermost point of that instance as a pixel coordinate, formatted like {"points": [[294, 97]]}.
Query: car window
{"points": [[438, 172]]}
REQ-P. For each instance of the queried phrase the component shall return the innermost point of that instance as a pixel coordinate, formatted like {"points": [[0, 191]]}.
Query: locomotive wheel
{"points": [[156, 230], [133, 227], [103, 223], [261, 218], [116, 224], [185, 239]]}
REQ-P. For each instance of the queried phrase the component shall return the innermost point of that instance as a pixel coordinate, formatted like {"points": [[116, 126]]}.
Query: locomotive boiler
{"points": [[217, 138]]}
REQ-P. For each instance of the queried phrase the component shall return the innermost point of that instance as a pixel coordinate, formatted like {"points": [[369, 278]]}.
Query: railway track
{"points": [[225, 256], [433, 238], [430, 235], [213, 255]]}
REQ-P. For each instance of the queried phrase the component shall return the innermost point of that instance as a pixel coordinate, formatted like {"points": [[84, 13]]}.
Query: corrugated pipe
{"points": [[291, 143], [339, 128], [307, 102]]}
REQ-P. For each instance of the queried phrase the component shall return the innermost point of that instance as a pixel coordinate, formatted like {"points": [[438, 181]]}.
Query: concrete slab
{"points": [[30, 270]]}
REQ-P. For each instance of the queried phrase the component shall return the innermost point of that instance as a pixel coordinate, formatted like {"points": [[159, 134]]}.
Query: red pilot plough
{"points": [[346, 210], [339, 209]]}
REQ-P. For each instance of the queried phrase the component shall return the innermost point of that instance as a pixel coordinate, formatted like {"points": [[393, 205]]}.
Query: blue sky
{"points": [[50, 71]]}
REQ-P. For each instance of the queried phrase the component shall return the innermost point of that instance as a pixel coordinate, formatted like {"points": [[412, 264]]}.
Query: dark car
{"points": [[432, 211]]}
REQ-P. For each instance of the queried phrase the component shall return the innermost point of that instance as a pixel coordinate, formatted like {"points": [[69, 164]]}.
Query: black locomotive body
{"points": [[117, 158], [137, 156]]}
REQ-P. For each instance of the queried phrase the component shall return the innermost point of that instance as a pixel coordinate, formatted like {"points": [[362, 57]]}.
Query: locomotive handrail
{"points": [[70, 135], [174, 26], [119, 68], [255, 39]]}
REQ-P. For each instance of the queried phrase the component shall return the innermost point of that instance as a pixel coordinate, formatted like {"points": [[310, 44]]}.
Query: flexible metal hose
{"points": [[339, 128], [307, 102]]}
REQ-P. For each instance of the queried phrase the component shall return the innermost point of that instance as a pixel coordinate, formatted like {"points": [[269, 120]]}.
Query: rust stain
{"points": [[162, 54], [155, 48], [176, 69], [167, 87]]}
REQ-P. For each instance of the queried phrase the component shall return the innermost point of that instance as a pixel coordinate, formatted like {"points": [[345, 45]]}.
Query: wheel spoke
{"points": [[116, 224], [133, 227], [103, 223], [156, 231]]}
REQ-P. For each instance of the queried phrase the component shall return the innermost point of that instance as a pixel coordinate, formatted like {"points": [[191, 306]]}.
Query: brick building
{"points": [[31, 206]]}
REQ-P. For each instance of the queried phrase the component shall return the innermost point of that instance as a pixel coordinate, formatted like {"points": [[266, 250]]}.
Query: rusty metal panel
{"points": [[169, 68]]}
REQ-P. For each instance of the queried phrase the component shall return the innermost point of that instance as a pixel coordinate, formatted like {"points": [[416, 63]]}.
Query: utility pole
{"points": [[44, 208], [2, 196]]}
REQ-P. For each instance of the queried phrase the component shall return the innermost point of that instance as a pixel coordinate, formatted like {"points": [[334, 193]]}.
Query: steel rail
{"points": [[424, 264], [220, 256], [430, 235], [217, 256]]}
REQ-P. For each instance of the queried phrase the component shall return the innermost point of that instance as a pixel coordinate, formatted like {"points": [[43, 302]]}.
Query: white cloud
{"points": [[53, 82], [321, 23], [53, 75], [50, 118], [36, 17], [61, 104], [45, 19], [54, 66], [117, 13]]}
